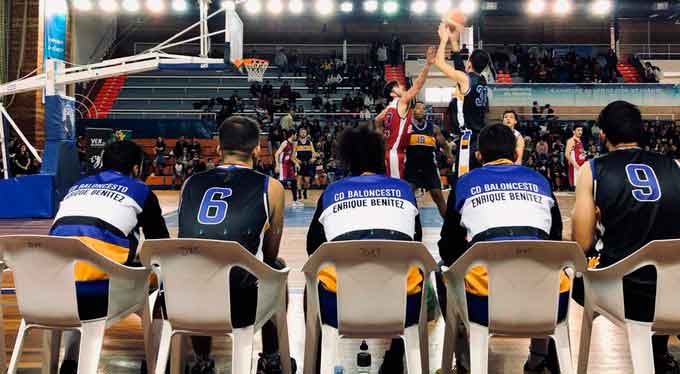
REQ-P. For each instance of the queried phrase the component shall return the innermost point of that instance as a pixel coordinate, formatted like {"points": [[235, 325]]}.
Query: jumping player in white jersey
{"points": [[395, 121]]}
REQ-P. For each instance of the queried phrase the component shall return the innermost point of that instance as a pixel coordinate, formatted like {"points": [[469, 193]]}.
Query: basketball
{"points": [[455, 19]]}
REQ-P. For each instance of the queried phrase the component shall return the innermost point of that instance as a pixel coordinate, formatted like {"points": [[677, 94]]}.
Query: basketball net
{"points": [[254, 67]]}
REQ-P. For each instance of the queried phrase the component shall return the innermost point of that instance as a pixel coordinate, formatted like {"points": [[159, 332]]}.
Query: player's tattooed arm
{"points": [[272, 239]]}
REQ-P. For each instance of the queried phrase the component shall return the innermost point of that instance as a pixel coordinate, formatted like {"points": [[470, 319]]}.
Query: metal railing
{"points": [[567, 117], [269, 50], [160, 114], [657, 49]]}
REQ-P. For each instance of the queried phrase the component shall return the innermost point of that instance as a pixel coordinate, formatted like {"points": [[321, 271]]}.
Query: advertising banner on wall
{"points": [[56, 15], [98, 138]]}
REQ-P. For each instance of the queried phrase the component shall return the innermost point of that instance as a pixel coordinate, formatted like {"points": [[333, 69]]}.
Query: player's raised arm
{"points": [[422, 78], [450, 71]]}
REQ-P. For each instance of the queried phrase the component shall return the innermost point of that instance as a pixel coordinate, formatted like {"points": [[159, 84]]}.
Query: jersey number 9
{"points": [[646, 184], [213, 209]]}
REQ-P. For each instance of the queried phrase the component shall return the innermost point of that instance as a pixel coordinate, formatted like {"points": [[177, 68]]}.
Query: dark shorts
{"points": [[307, 169], [421, 169], [328, 305]]}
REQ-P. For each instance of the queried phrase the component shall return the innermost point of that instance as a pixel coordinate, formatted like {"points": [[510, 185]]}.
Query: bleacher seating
{"points": [[629, 72], [176, 92], [106, 96], [503, 77]]}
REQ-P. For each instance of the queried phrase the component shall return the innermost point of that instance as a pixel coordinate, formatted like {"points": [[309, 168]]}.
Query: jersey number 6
{"points": [[213, 208], [646, 184]]}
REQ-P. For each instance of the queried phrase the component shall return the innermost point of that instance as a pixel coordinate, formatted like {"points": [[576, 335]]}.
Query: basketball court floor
{"points": [[123, 346]]}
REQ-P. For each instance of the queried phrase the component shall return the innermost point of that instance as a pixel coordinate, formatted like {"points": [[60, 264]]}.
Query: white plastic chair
{"points": [[604, 296], [371, 294], [524, 289], [46, 294], [195, 278]]}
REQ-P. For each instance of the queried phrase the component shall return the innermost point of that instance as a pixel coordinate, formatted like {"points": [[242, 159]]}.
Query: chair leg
{"points": [[586, 334], [449, 347], [242, 350], [51, 349], [91, 340], [164, 348], [147, 327], [177, 354], [18, 347], [284, 342], [479, 349], [3, 348], [312, 335], [330, 341], [640, 343], [561, 338], [414, 359]]}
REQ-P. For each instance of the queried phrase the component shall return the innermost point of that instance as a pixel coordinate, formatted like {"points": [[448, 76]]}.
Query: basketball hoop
{"points": [[255, 68]]}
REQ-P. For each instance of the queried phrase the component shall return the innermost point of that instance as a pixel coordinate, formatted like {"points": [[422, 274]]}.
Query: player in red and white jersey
{"points": [[285, 163], [395, 120], [575, 154]]}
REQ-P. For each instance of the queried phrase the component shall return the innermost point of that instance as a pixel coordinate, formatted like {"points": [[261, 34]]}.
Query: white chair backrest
{"points": [[664, 255], [524, 281], [43, 269], [371, 281], [195, 277]]}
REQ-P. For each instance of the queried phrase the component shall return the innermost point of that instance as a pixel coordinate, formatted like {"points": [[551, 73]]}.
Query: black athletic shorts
{"points": [[420, 168], [307, 169]]}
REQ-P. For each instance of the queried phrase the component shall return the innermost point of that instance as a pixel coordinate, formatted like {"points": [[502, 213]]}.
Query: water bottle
{"points": [[363, 359]]}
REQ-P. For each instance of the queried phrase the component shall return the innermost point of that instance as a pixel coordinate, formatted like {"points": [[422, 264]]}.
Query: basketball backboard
{"points": [[233, 37]]}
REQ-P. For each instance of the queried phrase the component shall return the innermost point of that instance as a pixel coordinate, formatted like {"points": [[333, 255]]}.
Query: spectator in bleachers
{"points": [[395, 51], [194, 148], [382, 54], [235, 103], [159, 154], [281, 61], [346, 103], [317, 102], [610, 68], [286, 121], [333, 81], [267, 89], [22, 161], [255, 89], [464, 52], [285, 90], [178, 173], [181, 148]]}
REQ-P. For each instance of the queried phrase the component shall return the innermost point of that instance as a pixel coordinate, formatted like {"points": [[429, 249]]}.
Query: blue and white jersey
{"points": [[362, 208], [106, 211], [499, 201], [373, 206]]}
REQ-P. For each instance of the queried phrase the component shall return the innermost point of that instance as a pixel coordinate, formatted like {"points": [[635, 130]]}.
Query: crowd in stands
{"points": [[547, 65], [648, 73], [20, 160], [183, 160]]}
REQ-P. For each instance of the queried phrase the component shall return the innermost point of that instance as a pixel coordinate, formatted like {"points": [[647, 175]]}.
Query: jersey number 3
{"points": [[646, 184], [213, 208]]}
